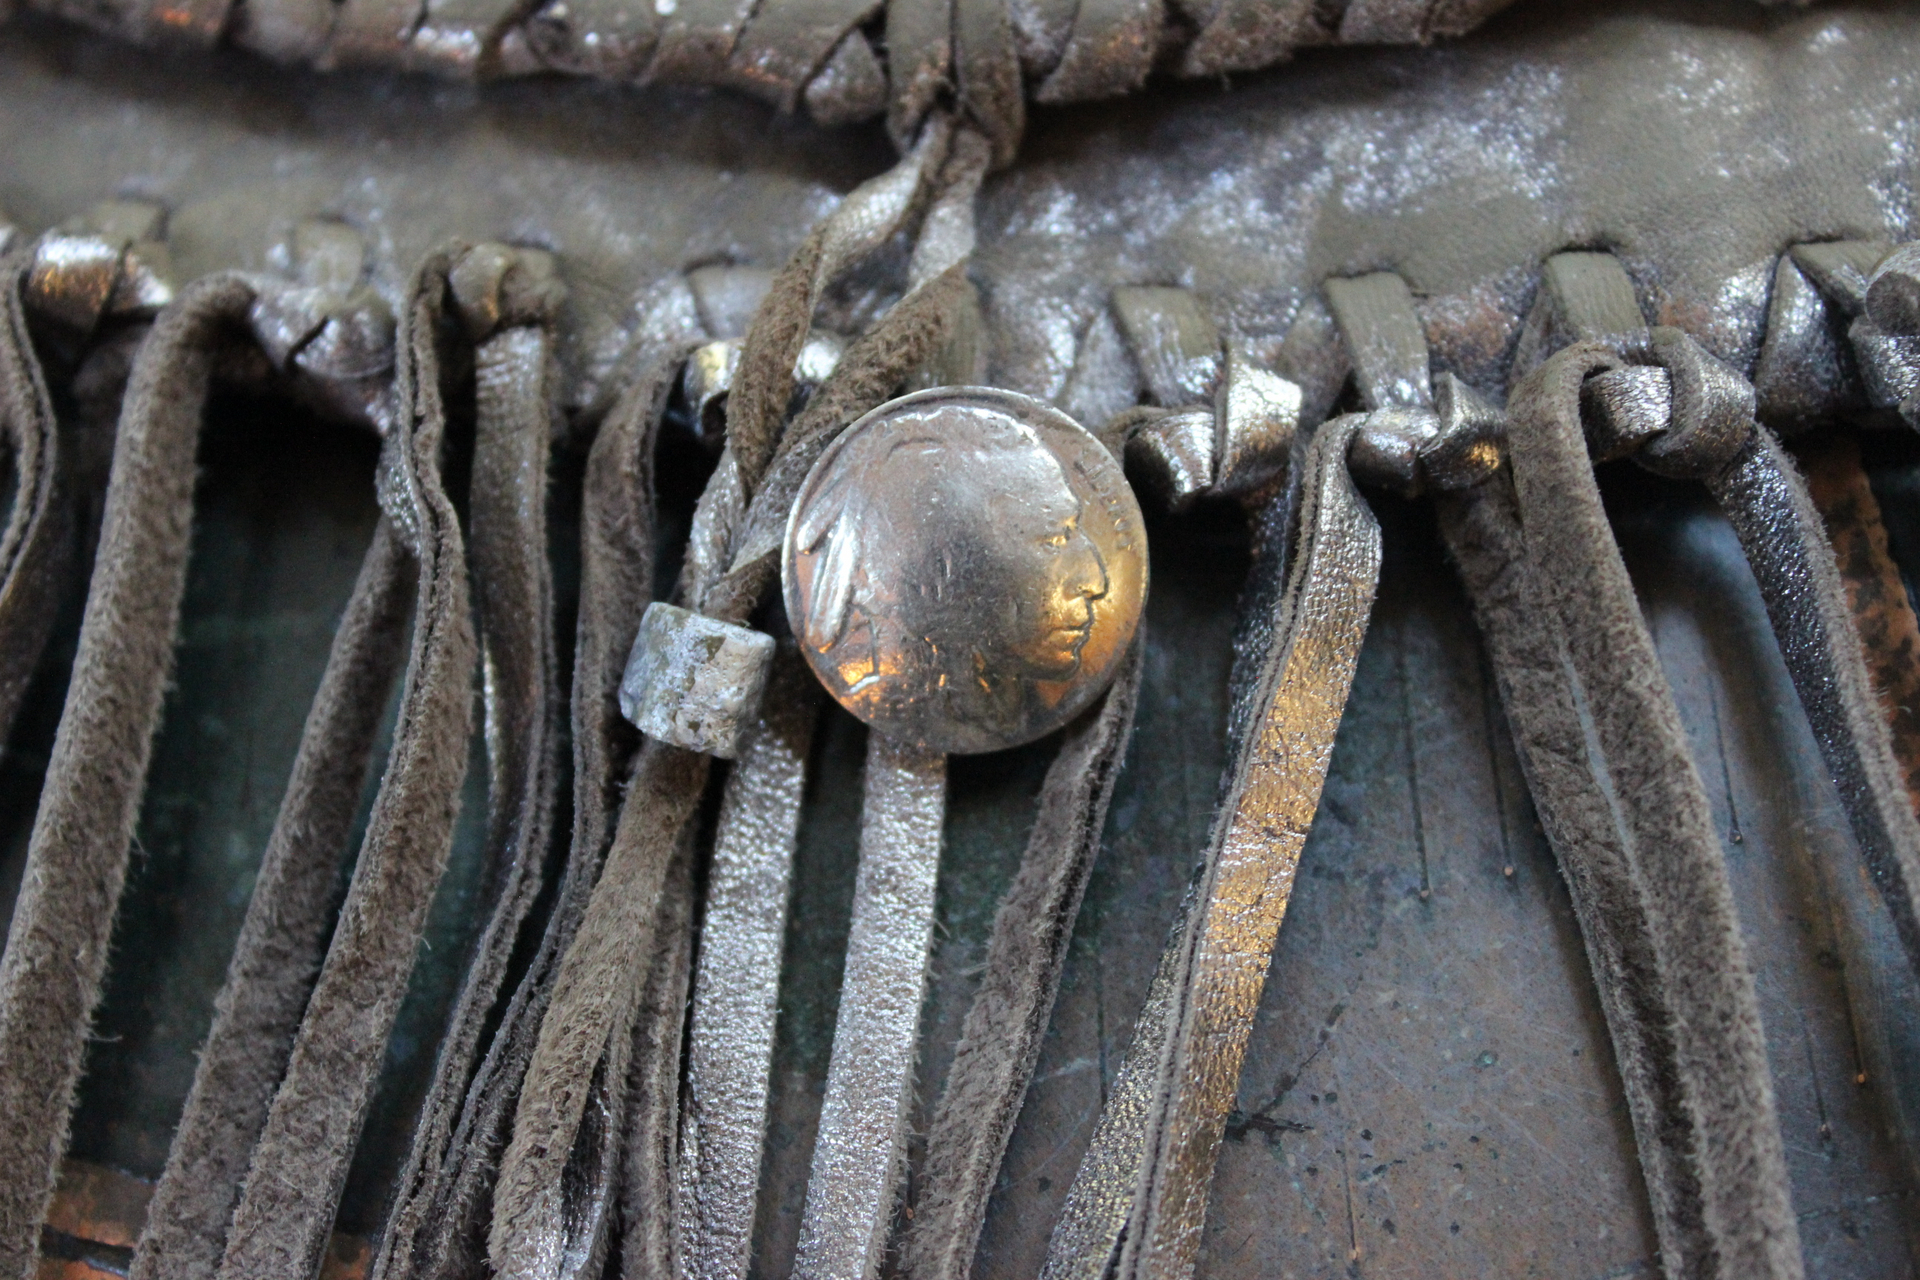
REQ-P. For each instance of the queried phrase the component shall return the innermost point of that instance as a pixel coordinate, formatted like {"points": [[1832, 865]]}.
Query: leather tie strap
{"points": [[1479, 519], [1138, 1205], [286, 1211], [597, 988], [445, 1237], [736, 994], [36, 547], [1713, 438], [507, 302], [56, 951], [1882, 612], [1725, 1107], [1571, 792], [640, 1161]]}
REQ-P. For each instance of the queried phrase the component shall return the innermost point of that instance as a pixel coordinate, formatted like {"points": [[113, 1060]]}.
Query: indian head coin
{"points": [[964, 568]]}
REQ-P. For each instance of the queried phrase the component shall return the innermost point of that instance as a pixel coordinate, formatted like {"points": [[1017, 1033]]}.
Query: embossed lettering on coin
{"points": [[964, 568]]}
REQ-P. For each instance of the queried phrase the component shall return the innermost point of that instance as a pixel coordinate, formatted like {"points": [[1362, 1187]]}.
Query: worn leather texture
{"points": [[1695, 142]]}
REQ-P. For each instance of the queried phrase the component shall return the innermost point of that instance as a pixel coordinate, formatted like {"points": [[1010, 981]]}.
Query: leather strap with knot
{"points": [[507, 301], [1725, 1207], [1699, 426], [285, 1211], [1648, 913]]}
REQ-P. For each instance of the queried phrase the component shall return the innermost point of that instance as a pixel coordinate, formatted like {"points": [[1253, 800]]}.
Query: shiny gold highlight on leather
{"points": [[1156, 1148]]}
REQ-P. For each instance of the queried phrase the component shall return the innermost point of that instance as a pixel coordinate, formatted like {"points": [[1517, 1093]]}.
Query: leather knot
{"points": [[1712, 415]]}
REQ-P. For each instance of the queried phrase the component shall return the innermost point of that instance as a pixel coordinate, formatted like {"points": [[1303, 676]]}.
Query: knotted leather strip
{"points": [[909, 337], [1138, 1210], [284, 935], [1000, 1039], [77, 857], [444, 1236], [1480, 521], [513, 594], [1713, 437], [1720, 1051], [293, 1185], [721, 1174], [36, 546], [865, 220]]}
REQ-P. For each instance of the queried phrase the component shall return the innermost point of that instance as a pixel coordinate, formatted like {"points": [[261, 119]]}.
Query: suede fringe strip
{"points": [[56, 951]]}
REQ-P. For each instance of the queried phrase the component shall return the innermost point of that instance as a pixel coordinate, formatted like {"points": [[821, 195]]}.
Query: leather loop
{"points": [[440, 1233], [865, 220], [1726, 1103], [286, 1212], [1712, 410], [507, 301]]}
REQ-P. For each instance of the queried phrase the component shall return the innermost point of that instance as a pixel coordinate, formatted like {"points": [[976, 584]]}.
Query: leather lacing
{"points": [[843, 60], [574, 1099]]}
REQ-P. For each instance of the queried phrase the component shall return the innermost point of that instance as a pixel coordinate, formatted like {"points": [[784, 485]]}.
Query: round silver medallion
{"points": [[964, 568]]}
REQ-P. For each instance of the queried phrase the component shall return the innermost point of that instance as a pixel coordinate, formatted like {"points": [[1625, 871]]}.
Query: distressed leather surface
{"points": [[1428, 1089]]}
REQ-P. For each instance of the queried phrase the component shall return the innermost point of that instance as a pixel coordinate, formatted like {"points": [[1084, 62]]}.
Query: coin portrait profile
{"points": [[965, 568]]}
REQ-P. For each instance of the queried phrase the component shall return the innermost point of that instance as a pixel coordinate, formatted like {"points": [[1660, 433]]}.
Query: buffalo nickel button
{"points": [[965, 568]]}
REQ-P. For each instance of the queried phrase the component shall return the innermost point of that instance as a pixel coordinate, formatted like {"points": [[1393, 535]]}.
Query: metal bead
{"points": [[964, 569], [706, 381], [695, 681]]}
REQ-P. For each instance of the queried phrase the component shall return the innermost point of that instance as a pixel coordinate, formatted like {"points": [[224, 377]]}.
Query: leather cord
{"points": [[513, 593], [36, 546], [1572, 794], [447, 1237], [284, 936], [736, 995], [1724, 1110], [293, 1185], [56, 951], [1713, 438], [650, 1244], [1007, 1020], [1138, 1204]]}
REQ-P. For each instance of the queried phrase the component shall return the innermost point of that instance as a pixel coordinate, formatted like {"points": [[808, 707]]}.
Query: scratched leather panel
{"points": [[1696, 149]]}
